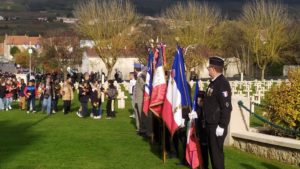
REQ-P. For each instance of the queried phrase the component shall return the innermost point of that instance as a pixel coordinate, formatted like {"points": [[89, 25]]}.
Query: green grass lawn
{"points": [[37, 141]]}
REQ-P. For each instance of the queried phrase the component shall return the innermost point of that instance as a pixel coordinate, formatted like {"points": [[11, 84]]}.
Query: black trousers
{"points": [[84, 109], [54, 104], [179, 139], [203, 142], [96, 109], [215, 146], [149, 123], [67, 106], [108, 108], [31, 100]]}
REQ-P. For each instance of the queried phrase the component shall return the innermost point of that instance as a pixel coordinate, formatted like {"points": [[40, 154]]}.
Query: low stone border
{"points": [[271, 147]]}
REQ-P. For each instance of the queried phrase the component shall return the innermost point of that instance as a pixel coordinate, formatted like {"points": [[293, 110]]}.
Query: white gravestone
{"points": [[76, 85], [248, 91], [200, 85], [121, 100], [126, 85]]}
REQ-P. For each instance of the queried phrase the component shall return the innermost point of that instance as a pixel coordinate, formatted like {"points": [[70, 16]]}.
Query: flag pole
{"points": [[164, 153]]}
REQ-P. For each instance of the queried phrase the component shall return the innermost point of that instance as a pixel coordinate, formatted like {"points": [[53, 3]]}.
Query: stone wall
{"points": [[243, 137], [269, 151]]}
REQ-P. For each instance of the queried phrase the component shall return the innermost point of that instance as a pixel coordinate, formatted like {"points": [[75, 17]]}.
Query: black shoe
{"points": [[140, 133], [182, 163]]}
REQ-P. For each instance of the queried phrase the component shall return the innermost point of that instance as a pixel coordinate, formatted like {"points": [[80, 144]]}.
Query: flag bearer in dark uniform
{"points": [[217, 109]]}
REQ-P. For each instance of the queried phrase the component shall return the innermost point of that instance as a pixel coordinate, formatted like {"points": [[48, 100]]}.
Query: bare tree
{"points": [[265, 25], [109, 24], [191, 24], [229, 43], [60, 51], [244, 55]]}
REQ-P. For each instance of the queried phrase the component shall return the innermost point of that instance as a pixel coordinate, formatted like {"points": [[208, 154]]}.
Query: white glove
{"points": [[193, 115], [219, 131], [182, 125]]}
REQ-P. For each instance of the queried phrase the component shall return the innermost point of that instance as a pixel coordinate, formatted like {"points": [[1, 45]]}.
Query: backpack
{"points": [[112, 93]]}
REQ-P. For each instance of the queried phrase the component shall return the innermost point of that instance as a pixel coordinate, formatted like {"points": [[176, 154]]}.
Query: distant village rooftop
{"points": [[22, 40]]}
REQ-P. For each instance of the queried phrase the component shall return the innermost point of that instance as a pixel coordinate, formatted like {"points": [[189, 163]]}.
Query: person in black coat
{"points": [[84, 96], [217, 110], [111, 95], [55, 95], [96, 100]]}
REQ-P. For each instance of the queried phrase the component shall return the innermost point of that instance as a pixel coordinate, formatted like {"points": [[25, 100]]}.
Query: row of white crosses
{"points": [[255, 90]]}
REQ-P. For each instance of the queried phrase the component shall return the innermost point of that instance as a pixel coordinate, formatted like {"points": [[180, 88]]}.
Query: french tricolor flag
{"points": [[177, 94], [148, 83], [158, 86]]}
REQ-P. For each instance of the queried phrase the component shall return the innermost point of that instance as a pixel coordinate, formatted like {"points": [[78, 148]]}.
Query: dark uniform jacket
{"points": [[217, 102]]}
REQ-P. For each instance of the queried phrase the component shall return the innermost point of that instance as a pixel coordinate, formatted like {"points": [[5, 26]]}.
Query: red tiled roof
{"points": [[22, 40], [1, 49]]}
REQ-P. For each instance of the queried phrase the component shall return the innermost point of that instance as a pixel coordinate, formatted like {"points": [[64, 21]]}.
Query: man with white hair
{"points": [[138, 100]]}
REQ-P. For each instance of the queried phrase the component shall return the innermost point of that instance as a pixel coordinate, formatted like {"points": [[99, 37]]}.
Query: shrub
{"points": [[14, 50], [283, 102]]}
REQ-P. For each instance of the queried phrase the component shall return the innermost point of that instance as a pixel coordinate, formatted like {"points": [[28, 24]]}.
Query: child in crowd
{"points": [[47, 96], [30, 92], [8, 95], [22, 98], [2, 93], [96, 100], [15, 89], [40, 94], [84, 95], [55, 95], [111, 94]]}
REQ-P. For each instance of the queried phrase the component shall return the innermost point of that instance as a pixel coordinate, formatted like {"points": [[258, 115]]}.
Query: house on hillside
{"points": [[42, 19], [66, 20], [21, 42]]}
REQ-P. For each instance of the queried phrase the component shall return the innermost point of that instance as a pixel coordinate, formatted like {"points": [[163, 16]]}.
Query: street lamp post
{"points": [[30, 52]]}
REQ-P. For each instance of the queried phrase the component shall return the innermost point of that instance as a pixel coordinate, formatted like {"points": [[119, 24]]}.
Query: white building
{"points": [[22, 42], [91, 62], [87, 43], [232, 68], [1, 18]]}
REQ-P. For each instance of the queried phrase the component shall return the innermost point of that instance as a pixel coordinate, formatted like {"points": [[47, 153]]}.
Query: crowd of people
{"points": [[48, 88], [212, 114]]}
